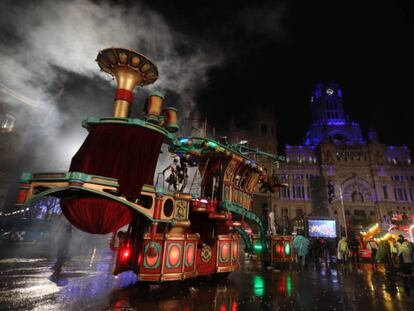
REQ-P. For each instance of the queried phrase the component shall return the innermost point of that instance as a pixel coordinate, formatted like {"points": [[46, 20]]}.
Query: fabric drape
{"points": [[96, 215], [127, 153]]}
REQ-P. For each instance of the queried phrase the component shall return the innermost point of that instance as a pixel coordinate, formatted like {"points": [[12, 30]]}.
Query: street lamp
{"points": [[343, 210]]}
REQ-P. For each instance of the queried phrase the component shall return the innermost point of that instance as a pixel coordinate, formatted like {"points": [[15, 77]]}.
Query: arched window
{"points": [[357, 197]]}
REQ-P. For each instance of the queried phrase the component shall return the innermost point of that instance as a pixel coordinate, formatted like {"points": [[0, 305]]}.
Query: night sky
{"points": [[276, 51], [218, 57]]}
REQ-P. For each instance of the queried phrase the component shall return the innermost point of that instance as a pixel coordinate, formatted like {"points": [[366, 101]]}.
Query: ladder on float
{"points": [[195, 187]]}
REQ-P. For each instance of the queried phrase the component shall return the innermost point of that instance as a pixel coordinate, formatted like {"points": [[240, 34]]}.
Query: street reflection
{"points": [[87, 284], [258, 286], [285, 284], [180, 296], [334, 277]]}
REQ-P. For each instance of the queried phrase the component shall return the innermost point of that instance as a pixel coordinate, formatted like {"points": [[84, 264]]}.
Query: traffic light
{"points": [[331, 192]]}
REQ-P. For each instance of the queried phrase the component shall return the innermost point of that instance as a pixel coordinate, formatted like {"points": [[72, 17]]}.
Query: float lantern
{"points": [[258, 246], [190, 254], [125, 253], [235, 250], [174, 256], [287, 248]]}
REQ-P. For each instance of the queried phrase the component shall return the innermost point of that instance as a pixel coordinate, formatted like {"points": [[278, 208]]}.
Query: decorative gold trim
{"points": [[149, 277], [172, 276], [175, 237], [164, 259], [49, 175], [218, 244], [226, 269], [190, 274], [200, 209], [149, 274], [224, 237], [191, 236], [231, 251], [184, 259], [105, 180], [158, 236], [181, 206], [183, 196], [181, 223]]}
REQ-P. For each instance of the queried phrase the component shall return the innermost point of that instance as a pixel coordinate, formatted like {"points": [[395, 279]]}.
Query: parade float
{"points": [[172, 235]]}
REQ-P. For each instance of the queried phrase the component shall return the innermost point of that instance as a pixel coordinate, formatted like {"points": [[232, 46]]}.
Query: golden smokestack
{"points": [[170, 119], [154, 107], [129, 69]]}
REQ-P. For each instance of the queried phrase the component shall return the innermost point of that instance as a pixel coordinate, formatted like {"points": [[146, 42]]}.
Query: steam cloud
{"points": [[45, 44]]}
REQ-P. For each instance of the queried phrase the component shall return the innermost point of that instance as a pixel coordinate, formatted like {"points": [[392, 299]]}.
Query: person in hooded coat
{"points": [[301, 248]]}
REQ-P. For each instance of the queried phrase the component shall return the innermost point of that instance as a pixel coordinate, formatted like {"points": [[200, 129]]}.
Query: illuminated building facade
{"points": [[366, 179], [335, 172]]}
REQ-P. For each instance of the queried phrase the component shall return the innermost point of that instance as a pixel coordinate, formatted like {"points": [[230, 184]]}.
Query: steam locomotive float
{"points": [[171, 235]]}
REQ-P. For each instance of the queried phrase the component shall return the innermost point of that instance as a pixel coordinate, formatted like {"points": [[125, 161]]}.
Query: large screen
{"points": [[322, 228]]}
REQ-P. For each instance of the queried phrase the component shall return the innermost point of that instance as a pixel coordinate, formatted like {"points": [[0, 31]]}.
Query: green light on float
{"points": [[258, 286], [212, 145], [287, 248], [257, 247]]}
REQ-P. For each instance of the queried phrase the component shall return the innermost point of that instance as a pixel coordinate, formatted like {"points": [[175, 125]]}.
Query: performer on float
{"points": [[182, 174], [173, 178]]}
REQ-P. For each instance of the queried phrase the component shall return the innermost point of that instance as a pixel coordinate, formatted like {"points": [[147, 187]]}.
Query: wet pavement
{"points": [[87, 284]]}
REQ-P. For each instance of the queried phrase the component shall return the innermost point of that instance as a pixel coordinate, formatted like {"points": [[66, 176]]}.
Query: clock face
{"points": [[329, 91]]}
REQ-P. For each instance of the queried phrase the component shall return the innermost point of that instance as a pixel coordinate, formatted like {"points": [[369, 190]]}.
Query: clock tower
{"points": [[329, 119], [327, 103]]}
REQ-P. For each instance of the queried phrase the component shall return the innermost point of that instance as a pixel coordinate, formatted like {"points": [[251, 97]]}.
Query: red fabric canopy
{"points": [[128, 153], [96, 215]]}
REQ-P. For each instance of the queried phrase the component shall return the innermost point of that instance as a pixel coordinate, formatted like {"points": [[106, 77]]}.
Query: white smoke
{"points": [[68, 35], [47, 41]]}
